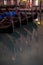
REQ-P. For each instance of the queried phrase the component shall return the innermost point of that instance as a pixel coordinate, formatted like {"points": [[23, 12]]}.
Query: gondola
{"points": [[23, 18], [5, 23]]}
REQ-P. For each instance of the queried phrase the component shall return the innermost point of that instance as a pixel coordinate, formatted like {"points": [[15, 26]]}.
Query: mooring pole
{"points": [[40, 11]]}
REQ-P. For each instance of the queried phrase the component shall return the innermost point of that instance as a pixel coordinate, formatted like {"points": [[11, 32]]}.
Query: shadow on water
{"points": [[13, 42], [15, 35], [22, 32], [6, 41], [30, 28]]}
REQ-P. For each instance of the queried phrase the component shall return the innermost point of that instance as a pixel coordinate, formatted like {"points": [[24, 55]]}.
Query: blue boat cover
{"points": [[6, 14], [12, 13], [1, 16]]}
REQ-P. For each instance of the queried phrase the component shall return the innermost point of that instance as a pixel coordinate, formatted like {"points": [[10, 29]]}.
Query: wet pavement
{"points": [[17, 49]]}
